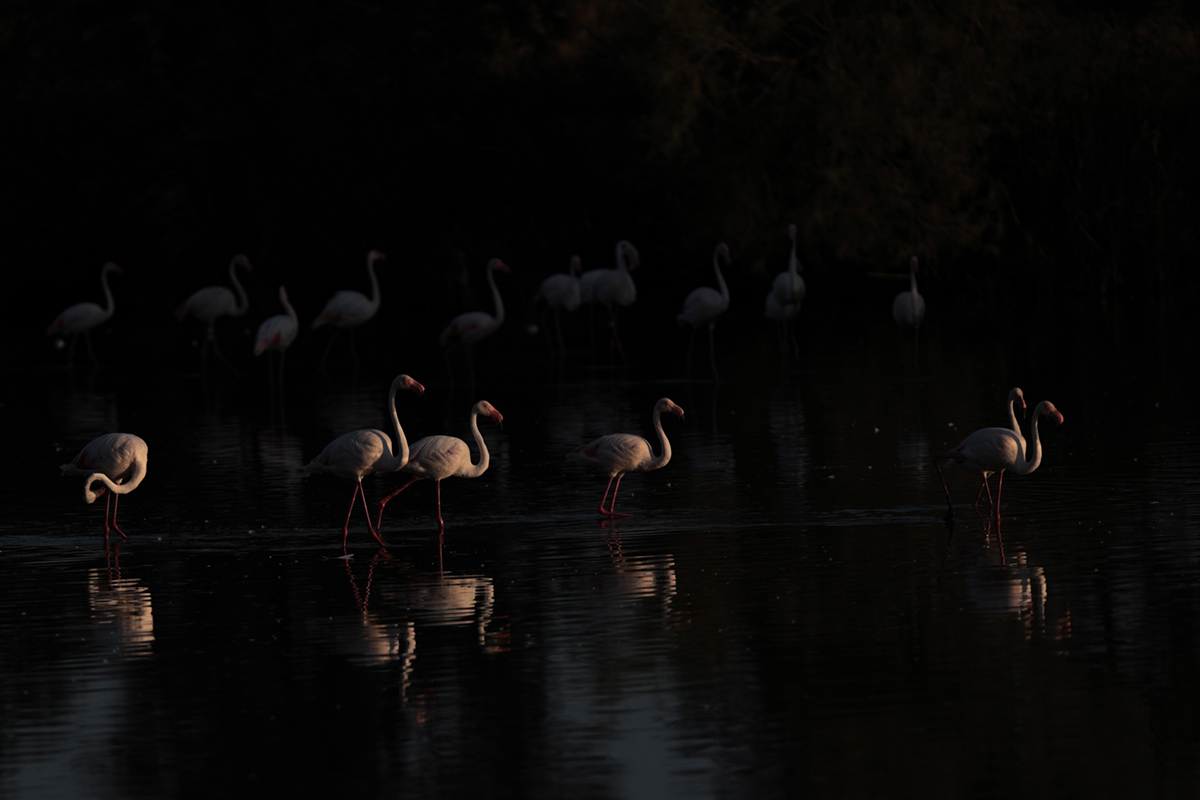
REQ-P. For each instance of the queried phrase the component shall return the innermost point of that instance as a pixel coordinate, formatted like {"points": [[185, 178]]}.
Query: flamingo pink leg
{"points": [[112, 498], [999, 488], [358, 488], [611, 511], [384, 501], [984, 487]]}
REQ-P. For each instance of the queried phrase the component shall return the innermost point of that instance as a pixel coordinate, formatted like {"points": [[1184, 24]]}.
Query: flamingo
{"points": [[989, 450], [276, 333], [82, 317], [612, 287], [118, 460], [618, 453], [437, 457], [786, 295], [360, 453], [561, 292], [908, 309], [348, 309], [217, 301], [702, 307], [474, 326]]}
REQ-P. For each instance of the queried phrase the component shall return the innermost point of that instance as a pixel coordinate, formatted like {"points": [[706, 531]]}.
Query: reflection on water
{"points": [[785, 614]]}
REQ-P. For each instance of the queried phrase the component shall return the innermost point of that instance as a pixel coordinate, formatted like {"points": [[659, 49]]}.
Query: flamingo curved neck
{"points": [[720, 277], [243, 302], [374, 281], [498, 300], [291, 312], [664, 457], [110, 305], [139, 473], [1029, 461], [400, 458], [479, 468]]}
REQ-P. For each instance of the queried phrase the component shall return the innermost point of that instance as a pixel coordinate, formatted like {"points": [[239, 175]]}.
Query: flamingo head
{"points": [[576, 266], [1018, 397], [496, 263], [667, 404], [627, 252], [243, 262], [1047, 408], [111, 267], [484, 407], [375, 255], [405, 382], [912, 263], [723, 253]]}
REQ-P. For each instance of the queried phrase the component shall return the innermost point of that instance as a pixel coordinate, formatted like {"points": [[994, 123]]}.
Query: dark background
{"points": [[1026, 152]]}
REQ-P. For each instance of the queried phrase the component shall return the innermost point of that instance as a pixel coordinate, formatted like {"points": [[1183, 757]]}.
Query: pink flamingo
{"points": [[348, 309], [989, 450], [786, 295], [276, 333], [611, 288], [437, 457], [908, 309], [118, 460], [82, 317], [561, 293], [618, 453], [702, 307], [211, 302], [360, 453], [471, 327]]}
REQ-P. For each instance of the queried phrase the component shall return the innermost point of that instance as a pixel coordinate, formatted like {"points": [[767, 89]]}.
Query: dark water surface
{"points": [[786, 613]]}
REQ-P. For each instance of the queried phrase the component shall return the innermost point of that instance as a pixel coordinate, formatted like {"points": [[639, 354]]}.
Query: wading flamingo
{"points": [[360, 453], [276, 333], [437, 457], [989, 450], [561, 293], [348, 309], [211, 302], [908, 309], [118, 460], [82, 317], [618, 453], [786, 295], [612, 288], [702, 307], [474, 326]]}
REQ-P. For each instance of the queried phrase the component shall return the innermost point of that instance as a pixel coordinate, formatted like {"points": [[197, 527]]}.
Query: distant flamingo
{"points": [[989, 450], [561, 293], [786, 295], [611, 288], [118, 460], [474, 326], [211, 302], [908, 309], [276, 333], [437, 457], [702, 307], [618, 453], [348, 309], [82, 317], [360, 453]]}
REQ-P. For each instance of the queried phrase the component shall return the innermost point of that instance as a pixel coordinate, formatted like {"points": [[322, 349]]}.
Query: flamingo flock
{"points": [[117, 461]]}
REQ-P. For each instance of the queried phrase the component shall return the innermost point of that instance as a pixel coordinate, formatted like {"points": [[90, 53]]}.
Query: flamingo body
{"points": [[438, 457], [908, 309], [277, 333], [118, 460], [360, 453], [211, 302], [618, 453], [474, 326], [349, 308], [561, 291]]}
